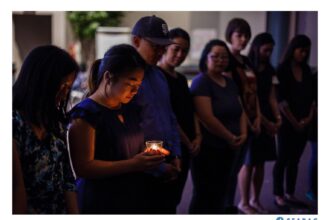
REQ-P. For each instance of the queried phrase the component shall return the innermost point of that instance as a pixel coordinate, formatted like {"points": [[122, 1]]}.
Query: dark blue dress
{"points": [[114, 141], [263, 146]]}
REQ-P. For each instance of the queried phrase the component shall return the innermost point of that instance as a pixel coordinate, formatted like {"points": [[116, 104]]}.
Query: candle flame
{"points": [[154, 147]]}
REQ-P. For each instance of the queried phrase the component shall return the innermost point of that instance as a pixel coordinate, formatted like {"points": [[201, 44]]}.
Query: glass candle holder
{"points": [[155, 146]]}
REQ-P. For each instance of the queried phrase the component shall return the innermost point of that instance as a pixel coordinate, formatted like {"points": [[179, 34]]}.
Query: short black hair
{"points": [[39, 80], [237, 25], [208, 47], [179, 32]]}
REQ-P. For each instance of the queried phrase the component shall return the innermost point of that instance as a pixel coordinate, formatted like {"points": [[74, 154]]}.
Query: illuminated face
{"points": [[177, 52], [265, 51], [125, 88], [150, 51], [300, 54], [217, 59], [239, 41], [65, 88]]}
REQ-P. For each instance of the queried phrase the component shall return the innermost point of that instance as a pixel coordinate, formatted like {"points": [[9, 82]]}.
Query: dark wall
{"points": [[31, 31]]}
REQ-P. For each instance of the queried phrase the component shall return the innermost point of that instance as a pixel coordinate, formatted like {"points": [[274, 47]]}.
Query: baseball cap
{"points": [[153, 29]]}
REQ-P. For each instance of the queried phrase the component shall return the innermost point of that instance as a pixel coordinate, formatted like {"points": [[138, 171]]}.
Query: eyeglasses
{"points": [[216, 57], [153, 45]]}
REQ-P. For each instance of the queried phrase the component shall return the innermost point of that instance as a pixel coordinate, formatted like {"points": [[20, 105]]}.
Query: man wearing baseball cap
{"points": [[150, 37]]}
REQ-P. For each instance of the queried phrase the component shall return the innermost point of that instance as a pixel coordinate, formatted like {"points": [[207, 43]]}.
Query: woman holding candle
{"points": [[106, 140], [182, 103], [224, 130]]}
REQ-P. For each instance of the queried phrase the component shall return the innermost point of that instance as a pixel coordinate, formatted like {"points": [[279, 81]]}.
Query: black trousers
{"points": [[211, 172], [291, 145]]}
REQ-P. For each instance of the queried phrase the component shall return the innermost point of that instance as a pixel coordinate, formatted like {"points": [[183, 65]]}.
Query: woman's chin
{"points": [[127, 100]]}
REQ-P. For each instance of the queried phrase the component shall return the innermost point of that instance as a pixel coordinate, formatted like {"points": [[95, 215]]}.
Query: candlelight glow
{"points": [[156, 147]]}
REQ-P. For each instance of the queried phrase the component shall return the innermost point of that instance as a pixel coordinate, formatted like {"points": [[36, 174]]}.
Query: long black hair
{"points": [[208, 47], [258, 41], [38, 83], [299, 41], [118, 60]]}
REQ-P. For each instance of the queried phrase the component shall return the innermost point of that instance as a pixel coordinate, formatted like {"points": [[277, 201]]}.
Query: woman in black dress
{"points": [[263, 147], [297, 105]]}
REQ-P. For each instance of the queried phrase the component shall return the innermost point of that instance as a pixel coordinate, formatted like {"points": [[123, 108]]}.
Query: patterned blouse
{"points": [[46, 168]]}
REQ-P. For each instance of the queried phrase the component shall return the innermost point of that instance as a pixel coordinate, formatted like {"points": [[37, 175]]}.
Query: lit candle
{"points": [[156, 146]]}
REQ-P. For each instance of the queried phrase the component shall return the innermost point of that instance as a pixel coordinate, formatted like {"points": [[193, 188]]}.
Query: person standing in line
{"points": [[311, 194], [224, 130], [43, 182], [238, 34], [263, 147], [182, 102], [297, 105], [106, 141], [150, 37]]}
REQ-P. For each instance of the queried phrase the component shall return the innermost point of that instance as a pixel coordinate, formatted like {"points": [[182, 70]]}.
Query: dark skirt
{"points": [[124, 194], [260, 149]]}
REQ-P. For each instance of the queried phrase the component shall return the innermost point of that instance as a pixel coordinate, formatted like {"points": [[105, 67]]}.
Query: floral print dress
{"points": [[46, 168]]}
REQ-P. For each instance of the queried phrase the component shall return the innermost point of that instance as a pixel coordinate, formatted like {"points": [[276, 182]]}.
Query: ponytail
{"points": [[118, 60], [93, 80]]}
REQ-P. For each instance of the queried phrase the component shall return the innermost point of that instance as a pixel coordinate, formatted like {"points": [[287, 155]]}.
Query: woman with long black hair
{"points": [[297, 105], [263, 148], [43, 181]]}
